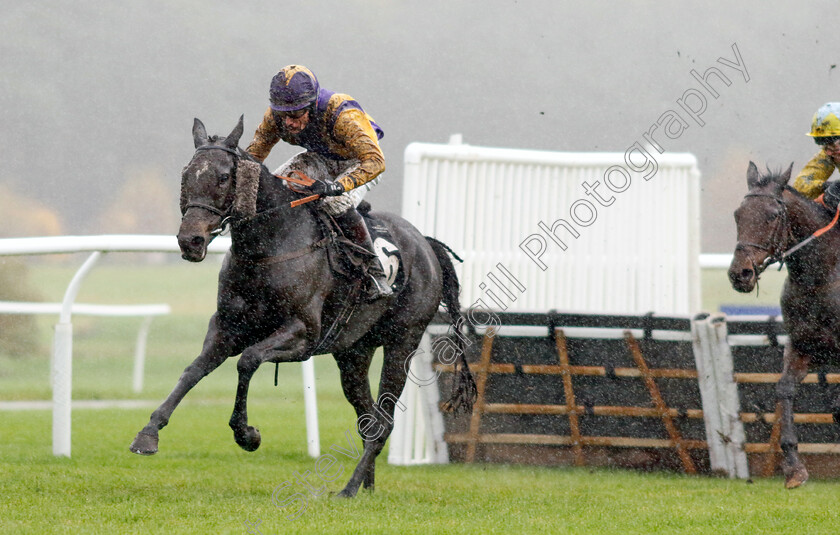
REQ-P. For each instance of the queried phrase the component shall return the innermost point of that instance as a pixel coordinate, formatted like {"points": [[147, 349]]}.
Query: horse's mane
{"points": [[286, 194], [770, 176], [819, 207], [796, 193], [246, 155], [809, 202], [773, 176]]}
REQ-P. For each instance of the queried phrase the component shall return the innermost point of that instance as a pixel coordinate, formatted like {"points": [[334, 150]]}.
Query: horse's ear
{"points": [[784, 178], [752, 176], [199, 133], [232, 141]]}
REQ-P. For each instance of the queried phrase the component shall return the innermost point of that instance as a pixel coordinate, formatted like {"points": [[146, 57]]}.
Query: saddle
{"points": [[348, 260]]}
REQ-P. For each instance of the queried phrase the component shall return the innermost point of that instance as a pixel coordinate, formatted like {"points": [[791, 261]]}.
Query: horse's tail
{"points": [[464, 391]]}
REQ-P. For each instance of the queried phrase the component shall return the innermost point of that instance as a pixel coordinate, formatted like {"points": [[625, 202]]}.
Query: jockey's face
{"points": [[295, 121], [831, 146]]}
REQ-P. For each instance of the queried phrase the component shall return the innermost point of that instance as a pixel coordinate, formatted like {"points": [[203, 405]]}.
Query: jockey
{"points": [[825, 129], [342, 152]]}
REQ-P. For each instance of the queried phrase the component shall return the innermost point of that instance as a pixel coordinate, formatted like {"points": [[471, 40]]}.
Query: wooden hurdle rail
{"points": [[730, 373], [632, 333]]}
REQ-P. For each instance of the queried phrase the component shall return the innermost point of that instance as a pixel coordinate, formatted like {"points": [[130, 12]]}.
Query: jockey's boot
{"points": [[354, 228]]}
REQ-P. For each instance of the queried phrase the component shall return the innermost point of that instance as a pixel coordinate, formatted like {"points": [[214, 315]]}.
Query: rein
{"points": [[777, 243], [302, 180]]}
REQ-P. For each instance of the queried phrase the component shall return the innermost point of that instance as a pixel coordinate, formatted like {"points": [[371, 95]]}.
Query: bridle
{"points": [[226, 215], [780, 237]]}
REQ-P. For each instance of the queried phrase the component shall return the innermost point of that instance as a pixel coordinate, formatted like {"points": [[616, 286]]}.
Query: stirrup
{"points": [[378, 287]]}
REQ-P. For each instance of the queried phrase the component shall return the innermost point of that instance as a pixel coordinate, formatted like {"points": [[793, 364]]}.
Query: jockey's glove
{"points": [[326, 189]]}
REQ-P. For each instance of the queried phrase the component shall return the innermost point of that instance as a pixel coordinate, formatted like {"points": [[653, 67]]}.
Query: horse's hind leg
{"points": [[794, 370], [213, 354], [354, 364], [376, 426]]}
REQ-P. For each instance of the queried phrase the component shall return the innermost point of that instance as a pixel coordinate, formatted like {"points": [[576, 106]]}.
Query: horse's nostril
{"points": [[740, 276], [196, 241]]}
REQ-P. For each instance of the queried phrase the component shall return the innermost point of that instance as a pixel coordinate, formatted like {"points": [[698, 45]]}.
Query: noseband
{"points": [[225, 215]]}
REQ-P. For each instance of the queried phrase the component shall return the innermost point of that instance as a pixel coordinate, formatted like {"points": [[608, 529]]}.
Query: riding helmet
{"points": [[826, 122], [293, 88]]}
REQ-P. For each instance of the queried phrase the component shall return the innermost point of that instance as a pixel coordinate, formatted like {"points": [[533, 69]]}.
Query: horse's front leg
{"points": [[215, 351], [795, 369], [287, 344]]}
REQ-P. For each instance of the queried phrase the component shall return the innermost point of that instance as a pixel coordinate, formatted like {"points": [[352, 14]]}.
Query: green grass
{"points": [[201, 482]]}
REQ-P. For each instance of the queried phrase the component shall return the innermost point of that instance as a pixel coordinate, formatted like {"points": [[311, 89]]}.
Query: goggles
{"points": [[296, 114], [827, 140]]}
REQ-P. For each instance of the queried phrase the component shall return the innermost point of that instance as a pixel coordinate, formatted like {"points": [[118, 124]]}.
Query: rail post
{"points": [[62, 362]]}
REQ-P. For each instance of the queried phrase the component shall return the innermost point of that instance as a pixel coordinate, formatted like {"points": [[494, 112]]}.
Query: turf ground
{"points": [[201, 482]]}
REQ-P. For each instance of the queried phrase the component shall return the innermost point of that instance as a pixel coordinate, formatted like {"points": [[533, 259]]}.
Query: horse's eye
{"points": [[224, 178], [771, 216]]}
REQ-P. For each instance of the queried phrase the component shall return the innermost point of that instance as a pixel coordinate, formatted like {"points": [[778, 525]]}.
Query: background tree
{"points": [[145, 203], [26, 217], [22, 217]]}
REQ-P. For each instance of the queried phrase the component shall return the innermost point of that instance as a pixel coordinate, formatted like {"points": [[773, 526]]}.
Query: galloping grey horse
{"points": [[278, 296]]}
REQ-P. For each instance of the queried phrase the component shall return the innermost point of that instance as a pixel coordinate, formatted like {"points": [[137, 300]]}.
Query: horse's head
{"points": [[762, 226], [219, 182]]}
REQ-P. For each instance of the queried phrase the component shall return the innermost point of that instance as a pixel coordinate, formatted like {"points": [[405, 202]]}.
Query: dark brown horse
{"points": [[278, 295], [776, 224]]}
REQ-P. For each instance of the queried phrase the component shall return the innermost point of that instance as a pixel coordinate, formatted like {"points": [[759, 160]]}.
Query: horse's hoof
{"points": [[349, 491], [250, 441], [144, 444], [346, 493], [796, 476]]}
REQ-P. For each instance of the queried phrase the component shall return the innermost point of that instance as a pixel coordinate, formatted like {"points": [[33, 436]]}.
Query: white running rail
{"points": [[62, 360], [147, 312]]}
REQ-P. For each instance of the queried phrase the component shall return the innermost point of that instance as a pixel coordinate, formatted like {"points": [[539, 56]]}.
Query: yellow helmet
{"points": [[826, 122]]}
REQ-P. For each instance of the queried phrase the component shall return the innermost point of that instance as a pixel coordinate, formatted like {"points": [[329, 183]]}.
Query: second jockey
{"points": [[811, 181]]}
